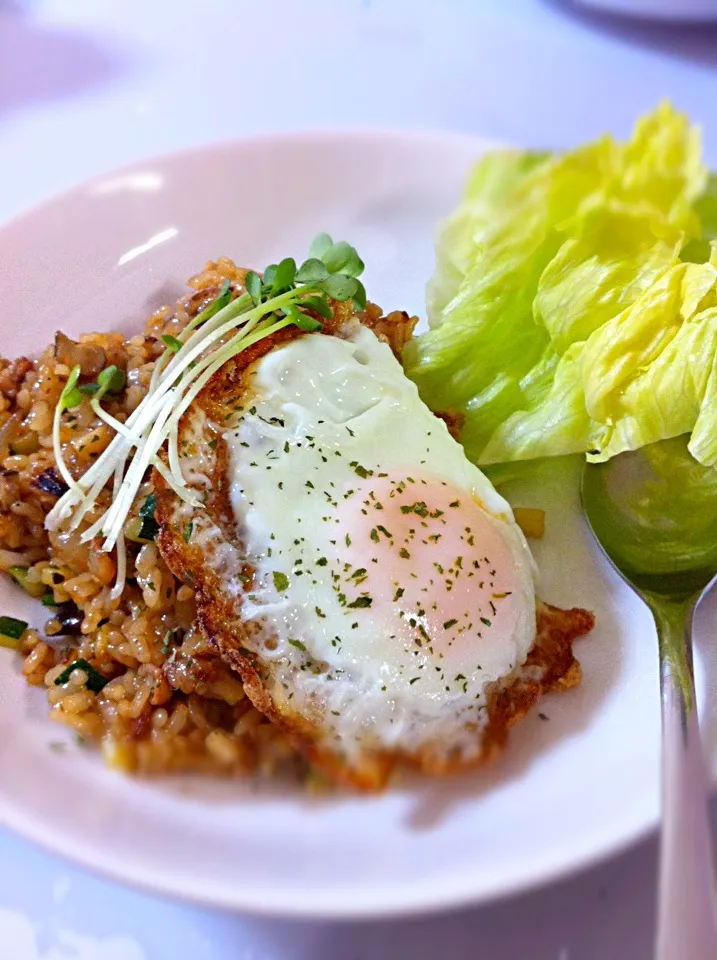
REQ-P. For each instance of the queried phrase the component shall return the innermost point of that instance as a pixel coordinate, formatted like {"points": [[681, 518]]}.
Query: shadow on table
{"points": [[42, 63], [696, 42]]}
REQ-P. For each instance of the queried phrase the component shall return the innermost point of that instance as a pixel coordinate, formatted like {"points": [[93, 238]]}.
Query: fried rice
{"points": [[170, 703], [135, 673]]}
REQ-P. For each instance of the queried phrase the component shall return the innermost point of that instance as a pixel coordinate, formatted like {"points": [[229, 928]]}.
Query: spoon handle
{"points": [[687, 903]]}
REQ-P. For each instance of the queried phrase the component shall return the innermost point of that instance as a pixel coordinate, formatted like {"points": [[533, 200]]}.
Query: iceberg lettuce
{"points": [[564, 314]]}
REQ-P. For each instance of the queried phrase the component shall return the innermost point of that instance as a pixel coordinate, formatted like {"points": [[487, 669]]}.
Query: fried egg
{"points": [[367, 580], [392, 584]]}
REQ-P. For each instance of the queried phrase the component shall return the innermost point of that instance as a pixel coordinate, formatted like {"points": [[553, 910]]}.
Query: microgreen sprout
{"points": [[69, 398], [284, 295], [172, 343]]}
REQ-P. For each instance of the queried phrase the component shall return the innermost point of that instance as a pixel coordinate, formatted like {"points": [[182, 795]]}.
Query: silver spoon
{"points": [[654, 513]]}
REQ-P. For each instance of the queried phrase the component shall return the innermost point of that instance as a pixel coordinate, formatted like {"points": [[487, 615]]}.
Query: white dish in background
{"points": [[568, 790], [672, 11]]}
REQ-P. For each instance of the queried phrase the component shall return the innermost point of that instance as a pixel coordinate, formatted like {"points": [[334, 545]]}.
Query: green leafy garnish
{"points": [[111, 380], [168, 642], [252, 282], [331, 268], [268, 280], [19, 575], [187, 534], [71, 396], [172, 343], [360, 602], [95, 680], [298, 644], [89, 389], [339, 287], [342, 258], [12, 630], [359, 297], [223, 298], [284, 276], [302, 320], [32, 587], [281, 581], [312, 270], [419, 508], [149, 527], [285, 295], [318, 305], [319, 245]]}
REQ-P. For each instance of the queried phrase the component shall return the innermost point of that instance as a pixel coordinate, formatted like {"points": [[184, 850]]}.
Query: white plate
{"points": [[568, 790]]}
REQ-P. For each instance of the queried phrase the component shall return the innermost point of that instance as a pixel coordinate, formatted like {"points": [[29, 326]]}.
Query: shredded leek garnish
{"points": [[285, 295]]}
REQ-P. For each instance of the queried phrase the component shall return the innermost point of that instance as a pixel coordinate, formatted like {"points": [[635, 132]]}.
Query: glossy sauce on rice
{"points": [[170, 703]]}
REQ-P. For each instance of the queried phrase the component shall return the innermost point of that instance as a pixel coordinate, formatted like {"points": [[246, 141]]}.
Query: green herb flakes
{"points": [[281, 581], [360, 602]]}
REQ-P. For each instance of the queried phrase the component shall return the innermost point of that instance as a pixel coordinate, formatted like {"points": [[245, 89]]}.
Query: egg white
{"points": [[318, 408]]}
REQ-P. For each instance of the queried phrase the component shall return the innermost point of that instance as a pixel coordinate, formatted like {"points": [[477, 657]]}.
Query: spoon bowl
{"points": [[654, 514]]}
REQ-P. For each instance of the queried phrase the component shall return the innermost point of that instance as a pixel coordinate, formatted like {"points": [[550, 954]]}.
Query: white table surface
{"points": [[87, 85]]}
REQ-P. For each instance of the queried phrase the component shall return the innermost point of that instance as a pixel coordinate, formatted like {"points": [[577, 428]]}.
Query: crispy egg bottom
{"points": [[550, 664]]}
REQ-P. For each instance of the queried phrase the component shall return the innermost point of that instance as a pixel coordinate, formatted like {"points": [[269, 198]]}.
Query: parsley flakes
{"points": [[281, 581], [360, 602]]}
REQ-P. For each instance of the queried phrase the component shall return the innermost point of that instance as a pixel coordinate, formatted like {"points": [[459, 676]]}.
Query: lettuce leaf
{"points": [[489, 185], [614, 256], [565, 318], [706, 208]]}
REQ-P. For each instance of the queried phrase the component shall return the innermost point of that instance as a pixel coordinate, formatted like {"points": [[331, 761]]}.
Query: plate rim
{"points": [[452, 895], [379, 133]]}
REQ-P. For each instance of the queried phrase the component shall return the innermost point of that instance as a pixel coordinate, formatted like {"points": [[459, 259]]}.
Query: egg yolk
{"points": [[432, 560]]}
